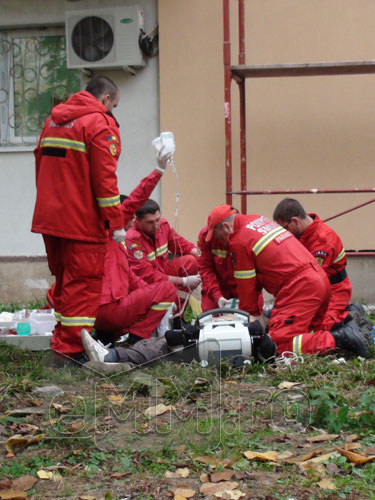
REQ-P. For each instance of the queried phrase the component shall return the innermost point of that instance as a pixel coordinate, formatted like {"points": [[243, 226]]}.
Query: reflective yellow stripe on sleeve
{"points": [[57, 316], [162, 250], [151, 256], [297, 345], [340, 256], [77, 321], [219, 253], [246, 274], [162, 306], [112, 201], [267, 238], [59, 142]]}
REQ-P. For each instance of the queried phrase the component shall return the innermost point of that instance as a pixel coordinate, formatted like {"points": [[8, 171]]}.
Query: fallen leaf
{"points": [[353, 437], [76, 426], [183, 492], [317, 468], [44, 474], [322, 437], [208, 460], [36, 402], [326, 484], [13, 495], [18, 441], [115, 399], [183, 472], [287, 385], [214, 488], [255, 455], [225, 475], [356, 458], [119, 475], [25, 482], [86, 497], [351, 446], [284, 455], [231, 495], [154, 411], [204, 478], [304, 458], [181, 449], [60, 408], [320, 458], [179, 497]]}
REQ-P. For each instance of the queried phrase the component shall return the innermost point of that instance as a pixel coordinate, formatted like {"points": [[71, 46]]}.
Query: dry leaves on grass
{"points": [[215, 488], [178, 474], [183, 491], [322, 437], [288, 385], [326, 484], [13, 495], [256, 455], [356, 458], [154, 411], [18, 441]]}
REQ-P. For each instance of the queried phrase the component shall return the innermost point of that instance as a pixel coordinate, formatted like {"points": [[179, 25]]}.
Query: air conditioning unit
{"points": [[104, 38]]}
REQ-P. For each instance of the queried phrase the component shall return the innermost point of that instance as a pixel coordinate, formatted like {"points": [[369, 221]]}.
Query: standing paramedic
{"points": [[327, 248], [267, 254], [77, 207]]}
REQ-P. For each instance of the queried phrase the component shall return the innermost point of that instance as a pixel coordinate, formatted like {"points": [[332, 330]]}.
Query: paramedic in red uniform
{"points": [[77, 205], [128, 304], [264, 250], [217, 273], [326, 246], [150, 243]]}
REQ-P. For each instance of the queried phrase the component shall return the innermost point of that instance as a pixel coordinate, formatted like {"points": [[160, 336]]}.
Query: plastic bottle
{"points": [[23, 323]]}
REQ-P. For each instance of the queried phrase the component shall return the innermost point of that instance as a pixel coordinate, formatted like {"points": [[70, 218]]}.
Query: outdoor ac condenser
{"points": [[104, 38]]}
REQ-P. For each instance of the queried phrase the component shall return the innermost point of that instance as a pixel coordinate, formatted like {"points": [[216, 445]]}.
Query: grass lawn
{"points": [[306, 431]]}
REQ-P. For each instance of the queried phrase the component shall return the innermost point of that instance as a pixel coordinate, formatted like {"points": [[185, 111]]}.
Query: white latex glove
{"points": [[118, 235], [191, 282], [223, 302], [163, 157]]}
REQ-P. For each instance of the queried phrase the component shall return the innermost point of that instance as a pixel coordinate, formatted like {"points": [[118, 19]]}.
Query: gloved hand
{"points": [[191, 282], [118, 235], [223, 302], [163, 157]]}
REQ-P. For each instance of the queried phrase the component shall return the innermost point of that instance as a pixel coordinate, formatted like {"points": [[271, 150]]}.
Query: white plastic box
{"points": [[42, 322]]}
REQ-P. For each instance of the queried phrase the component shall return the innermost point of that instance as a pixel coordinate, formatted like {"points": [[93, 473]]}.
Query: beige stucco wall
{"points": [[302, 133]]}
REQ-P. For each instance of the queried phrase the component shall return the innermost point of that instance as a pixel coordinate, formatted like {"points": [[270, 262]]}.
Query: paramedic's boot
{"points": [[101, 358], [349, 339], [265, 350], [358, 314]]}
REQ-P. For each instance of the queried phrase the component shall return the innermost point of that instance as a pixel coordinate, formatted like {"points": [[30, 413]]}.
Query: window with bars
{"points": [[33, 79]]}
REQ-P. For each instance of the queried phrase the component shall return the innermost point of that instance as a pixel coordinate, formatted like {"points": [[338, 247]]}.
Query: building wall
{"points": [[302, 133], [137, 113]]}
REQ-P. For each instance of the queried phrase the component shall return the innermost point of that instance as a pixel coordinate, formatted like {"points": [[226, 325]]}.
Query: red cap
{"points": [[217, 215]]}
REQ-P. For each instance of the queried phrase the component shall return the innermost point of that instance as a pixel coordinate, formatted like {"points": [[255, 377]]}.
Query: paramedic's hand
{"points": [[118, 235], [223, 302], [163, 157], [191, 282]]}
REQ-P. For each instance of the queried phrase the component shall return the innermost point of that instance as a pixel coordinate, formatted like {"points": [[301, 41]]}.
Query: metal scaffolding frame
{"points": [[239, 74]]}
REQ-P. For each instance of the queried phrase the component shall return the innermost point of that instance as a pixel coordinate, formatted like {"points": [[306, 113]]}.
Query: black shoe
{"points": [[364, 326], [64, 360], [349, 339], [356, 306]]}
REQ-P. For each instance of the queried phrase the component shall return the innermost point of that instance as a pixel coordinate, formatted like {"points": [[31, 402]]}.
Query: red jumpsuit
{"points": [[139, 195], [326, 246], [77, 204], [265, 251], [148, 257], [217, 272], [128, 304]]}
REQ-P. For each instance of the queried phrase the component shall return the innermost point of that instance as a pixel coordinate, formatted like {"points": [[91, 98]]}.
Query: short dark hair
{"points": [[288, 208], [102, 85], [150, 207]]}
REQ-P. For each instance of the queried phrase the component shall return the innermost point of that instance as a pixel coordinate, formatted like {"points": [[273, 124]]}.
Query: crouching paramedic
{"points": [[78, 205], [217, 273], [326, 246], [151, 242], [267, 252], [128, 304]]}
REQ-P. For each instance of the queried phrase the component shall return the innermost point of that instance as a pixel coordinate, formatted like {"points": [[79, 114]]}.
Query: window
{"points": [[33, 79]]}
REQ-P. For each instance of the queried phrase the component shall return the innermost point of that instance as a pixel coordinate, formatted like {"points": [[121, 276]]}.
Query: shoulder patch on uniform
{"points": [[138, 254], [133, 245], [112, 138], [320, 253], [113, 149]]}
